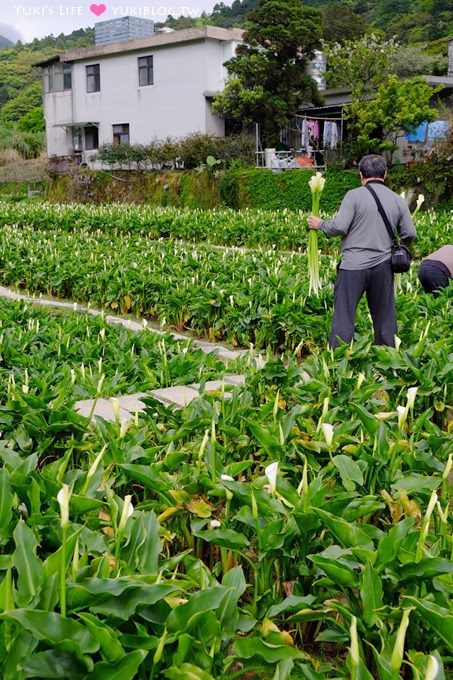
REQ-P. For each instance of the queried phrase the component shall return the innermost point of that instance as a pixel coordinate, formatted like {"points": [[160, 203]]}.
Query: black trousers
{"points": [[433, 275], [377, 284]]}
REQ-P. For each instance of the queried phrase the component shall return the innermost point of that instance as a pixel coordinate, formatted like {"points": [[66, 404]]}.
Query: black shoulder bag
{"points": [[401, 256]]}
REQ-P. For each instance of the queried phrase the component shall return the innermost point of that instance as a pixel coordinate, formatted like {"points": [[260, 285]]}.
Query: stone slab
{"points": [[179, 395], [103, 408], [234, 379], [132, 402]]}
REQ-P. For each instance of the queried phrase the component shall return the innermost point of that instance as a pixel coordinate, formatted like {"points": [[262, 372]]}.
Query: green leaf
{"points": [[371, 593], [246, 648], [292, 603], [389, 545], [54, 629], [52, 664], [184, 618], [349, 470], [226, 538], [439, 618], [110, 648], [120, 599], [335, 570], [347, 533], [187, 672], [6, 499], [28, 565], [124, 669], [414, 484]]}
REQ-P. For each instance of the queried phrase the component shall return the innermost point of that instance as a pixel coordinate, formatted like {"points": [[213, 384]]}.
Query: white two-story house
{"points": [[136, 91]]}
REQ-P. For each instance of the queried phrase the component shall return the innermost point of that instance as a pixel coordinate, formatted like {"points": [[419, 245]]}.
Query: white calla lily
{"points": [[63, 497], [327, 430], [317, 182], [271, 472], [411, 394], [128, 509]]}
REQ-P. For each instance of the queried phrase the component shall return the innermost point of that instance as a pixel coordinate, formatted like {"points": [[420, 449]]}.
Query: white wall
{"points": [[58, 110], [174, 106]]}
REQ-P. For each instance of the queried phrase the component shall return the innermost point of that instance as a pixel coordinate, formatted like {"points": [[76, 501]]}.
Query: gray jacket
{"points": [[365, 242]]}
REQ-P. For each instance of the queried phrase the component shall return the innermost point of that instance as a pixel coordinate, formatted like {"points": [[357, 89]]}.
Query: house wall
{"points": [[174, 106]]}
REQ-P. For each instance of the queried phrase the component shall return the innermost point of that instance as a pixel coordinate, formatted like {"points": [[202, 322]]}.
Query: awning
{"points": [[89, 123]]}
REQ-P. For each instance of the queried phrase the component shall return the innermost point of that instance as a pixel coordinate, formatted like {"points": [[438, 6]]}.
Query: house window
{"points": [[93, 78], [57, 78], [67, 77], [91, 137], [145, 71], [121, 134]]}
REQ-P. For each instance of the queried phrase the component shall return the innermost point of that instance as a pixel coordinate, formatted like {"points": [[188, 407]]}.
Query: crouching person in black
{"points": [[436, 270]]}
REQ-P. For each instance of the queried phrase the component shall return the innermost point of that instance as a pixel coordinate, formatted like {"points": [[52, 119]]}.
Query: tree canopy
{"points": [[268, 77]]}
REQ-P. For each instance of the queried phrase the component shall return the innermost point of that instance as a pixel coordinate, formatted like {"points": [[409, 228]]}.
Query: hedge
{"points": [[260, 188], [236, 188]]}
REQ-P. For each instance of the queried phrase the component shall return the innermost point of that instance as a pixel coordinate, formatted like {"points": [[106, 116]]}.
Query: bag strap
{"points": [[383, 214]]}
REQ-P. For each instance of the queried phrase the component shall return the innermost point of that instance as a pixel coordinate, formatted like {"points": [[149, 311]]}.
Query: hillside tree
{"points": [[267, 77]]}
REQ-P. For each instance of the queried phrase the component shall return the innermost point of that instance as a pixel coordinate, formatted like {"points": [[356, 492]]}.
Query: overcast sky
{"points": [[28, 19]]}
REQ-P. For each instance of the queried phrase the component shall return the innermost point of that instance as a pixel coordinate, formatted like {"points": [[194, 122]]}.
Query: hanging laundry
{"points": [[302, 127], [313, 128], [417, 135], [330, 135], [438, 129]]}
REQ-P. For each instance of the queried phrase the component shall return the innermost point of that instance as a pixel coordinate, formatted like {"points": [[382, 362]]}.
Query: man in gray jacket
{"points": [[365, 265]]}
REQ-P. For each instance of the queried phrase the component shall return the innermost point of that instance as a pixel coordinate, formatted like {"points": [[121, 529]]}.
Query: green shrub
{"points": [[260, 188]]}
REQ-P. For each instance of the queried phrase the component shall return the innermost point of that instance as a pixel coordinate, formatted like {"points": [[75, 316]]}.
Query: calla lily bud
{"points": [[397, 343], [360, 379], [214, 524], [432, 668], [398, 649], [411, 394], [354, 649], [116, 408], [128, 509], [63, 501], [448, 467]]}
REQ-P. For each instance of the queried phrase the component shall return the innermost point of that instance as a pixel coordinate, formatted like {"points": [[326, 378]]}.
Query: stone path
{"points": [[125, 407], [223, 353], [177, 397]]}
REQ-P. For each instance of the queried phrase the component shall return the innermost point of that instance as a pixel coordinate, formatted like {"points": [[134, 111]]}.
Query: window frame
{"points": [[146, 68], [119, 134], [93, 79]]}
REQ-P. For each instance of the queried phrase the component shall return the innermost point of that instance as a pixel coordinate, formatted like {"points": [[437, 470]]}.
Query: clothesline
{"points": [[307, 117]]}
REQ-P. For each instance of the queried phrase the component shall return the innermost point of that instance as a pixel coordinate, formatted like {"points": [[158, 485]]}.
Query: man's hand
{"points": [[314, 222]]}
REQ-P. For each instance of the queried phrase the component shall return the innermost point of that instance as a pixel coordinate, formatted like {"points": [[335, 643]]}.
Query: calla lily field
{"points": [[298, 529]]}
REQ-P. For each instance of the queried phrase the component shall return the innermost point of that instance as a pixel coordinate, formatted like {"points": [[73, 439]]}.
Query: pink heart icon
{"points": [[98, 9]]}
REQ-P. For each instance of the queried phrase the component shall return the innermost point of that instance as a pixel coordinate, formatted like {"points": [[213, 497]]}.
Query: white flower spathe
{"points": [[411, 394], [128, 509], [316, 183], [271, 472], [432, 668], [327, 430], [63, 501], [420, 201]]}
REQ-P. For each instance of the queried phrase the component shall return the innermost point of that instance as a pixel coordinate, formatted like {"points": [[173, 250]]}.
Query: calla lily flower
{"points": [[411, 394], [327, 430], [317, 182], [128, 509], [63, 497], [271, 472], [402, 416]]}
